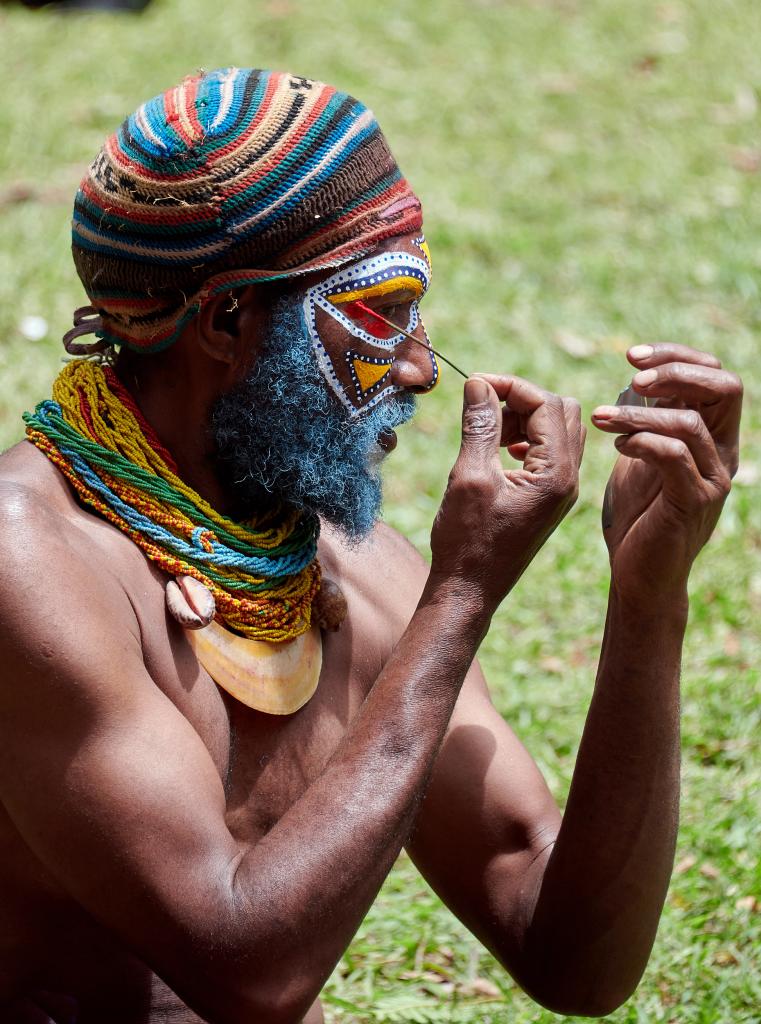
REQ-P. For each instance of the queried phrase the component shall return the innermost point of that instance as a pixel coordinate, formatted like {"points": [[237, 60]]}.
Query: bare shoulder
{"points": [[32, 507], [37, 509], [55, 556], [385, 572], [384, 557], [32, 492], [40, 513]]}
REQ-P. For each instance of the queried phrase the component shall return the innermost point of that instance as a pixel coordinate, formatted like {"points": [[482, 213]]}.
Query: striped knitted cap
{"points": [[230, 178]]}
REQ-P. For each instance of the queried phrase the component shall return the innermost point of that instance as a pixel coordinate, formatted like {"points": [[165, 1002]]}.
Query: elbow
{"points": [[284, 1011], [263, 1010], [589, 1005], [575, 990], [276, 998], [576, 978], [598, 998], [276, 1014], [287, 1004]]}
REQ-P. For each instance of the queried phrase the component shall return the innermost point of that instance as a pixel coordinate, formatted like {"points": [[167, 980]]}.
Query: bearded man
{"points": [[231, 696]]}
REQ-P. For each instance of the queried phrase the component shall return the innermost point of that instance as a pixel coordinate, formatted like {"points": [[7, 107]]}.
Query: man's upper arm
{"points": [[107, 782], [487, 823]]}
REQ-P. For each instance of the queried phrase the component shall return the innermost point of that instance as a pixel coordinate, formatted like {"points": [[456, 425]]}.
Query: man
{"points": [[174, 849]]}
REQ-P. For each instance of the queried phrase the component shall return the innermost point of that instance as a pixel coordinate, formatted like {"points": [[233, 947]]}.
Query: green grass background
{"points": [[590, 175]]}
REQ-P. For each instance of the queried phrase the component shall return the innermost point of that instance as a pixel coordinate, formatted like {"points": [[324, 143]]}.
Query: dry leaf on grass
{"points": [[574, 344], [556, 666], [480, 987], [724, 958], [708, 870], [749, 903], [646, 64], [745, 158]]}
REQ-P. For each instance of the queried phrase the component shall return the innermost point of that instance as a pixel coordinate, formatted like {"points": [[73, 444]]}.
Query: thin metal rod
{"points": [[401, 330]]}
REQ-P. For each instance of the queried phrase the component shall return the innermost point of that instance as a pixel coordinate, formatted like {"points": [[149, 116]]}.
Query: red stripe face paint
{"points": [[395, 281]]}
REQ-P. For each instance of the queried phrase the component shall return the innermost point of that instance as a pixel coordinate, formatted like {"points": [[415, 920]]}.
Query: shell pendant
{"points": [[277, 679]]}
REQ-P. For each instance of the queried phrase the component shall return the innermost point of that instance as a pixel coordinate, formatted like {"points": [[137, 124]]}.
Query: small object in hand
{"points": [[330, 606], [190, 602], [627, 397], [630, 397]]}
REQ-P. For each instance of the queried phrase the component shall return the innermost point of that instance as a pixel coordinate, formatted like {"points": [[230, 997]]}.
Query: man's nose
{"points": [[415, 367]]}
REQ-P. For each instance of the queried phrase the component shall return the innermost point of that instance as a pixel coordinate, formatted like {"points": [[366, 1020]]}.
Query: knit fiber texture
{"points": [[233, 177]]}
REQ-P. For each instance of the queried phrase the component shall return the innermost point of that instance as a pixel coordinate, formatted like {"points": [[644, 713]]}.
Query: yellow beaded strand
{"points": [[278, 612]]}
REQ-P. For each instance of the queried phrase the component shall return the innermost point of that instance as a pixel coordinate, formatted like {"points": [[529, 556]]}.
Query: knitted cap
{"points": [[230, 178]]}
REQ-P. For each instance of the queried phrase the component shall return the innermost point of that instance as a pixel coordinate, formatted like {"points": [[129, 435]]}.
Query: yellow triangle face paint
{"points": [[367, 373]]}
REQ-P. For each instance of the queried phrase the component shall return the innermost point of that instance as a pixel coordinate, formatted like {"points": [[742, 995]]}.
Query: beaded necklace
{"points": [[263, 573]]}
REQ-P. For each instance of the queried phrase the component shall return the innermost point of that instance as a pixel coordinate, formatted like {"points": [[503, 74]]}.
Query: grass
{"points": [[590, 174]]}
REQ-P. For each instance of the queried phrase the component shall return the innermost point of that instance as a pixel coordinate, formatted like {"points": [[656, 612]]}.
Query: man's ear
{"points": [[230, 326]]}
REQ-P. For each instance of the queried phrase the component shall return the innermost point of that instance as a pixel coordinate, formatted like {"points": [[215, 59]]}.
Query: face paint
{"points": [[423, 246], [359, 375]]}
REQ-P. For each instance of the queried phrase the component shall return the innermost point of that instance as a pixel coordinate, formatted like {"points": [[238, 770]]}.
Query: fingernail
{"points": [[641, 351], [604, 412], [476, 391], [645, 377]]}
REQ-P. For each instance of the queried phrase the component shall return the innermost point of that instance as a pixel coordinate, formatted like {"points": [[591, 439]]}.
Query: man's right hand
{"points": [[493, 521]]}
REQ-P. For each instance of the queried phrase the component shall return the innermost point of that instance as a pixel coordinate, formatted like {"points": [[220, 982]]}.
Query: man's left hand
{"points": [[678, 458]]}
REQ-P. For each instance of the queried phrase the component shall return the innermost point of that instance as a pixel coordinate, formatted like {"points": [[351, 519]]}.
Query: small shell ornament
{"points": [[190, 602], [330, 608]]}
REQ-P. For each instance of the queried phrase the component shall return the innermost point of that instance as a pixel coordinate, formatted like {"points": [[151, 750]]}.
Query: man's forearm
{"points": [[299, 903], [603, 888]]}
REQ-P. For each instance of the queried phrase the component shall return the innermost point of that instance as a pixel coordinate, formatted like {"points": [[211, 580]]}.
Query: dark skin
{"points": [[154, 828]]}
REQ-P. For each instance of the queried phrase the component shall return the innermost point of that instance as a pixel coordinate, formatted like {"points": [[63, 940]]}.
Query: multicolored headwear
{"points": [[231, 178]]}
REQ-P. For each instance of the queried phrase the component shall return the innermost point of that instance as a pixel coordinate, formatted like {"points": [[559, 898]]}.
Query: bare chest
{"points": [[265, 762]]}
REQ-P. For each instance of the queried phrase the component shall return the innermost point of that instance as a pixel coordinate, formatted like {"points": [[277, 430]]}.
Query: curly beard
{"points": [[280, 434]]}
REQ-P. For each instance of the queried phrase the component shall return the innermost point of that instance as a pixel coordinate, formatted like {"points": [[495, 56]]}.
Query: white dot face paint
{"points": [[358, 372]]}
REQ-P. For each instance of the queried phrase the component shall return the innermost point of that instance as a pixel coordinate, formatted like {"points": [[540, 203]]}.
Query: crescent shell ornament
{"points": [[276, 678]]}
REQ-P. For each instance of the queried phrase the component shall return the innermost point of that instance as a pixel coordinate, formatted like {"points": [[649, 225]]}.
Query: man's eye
{"points": [[391, 312]]}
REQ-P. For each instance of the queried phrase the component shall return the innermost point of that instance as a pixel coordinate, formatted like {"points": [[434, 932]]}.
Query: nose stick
{"points": [[401, 330]]}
